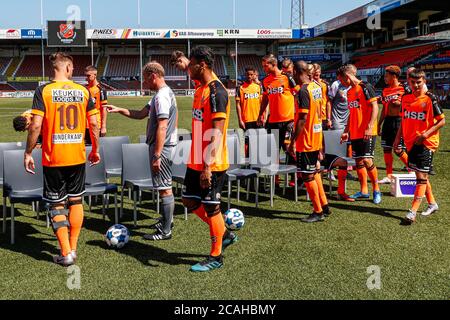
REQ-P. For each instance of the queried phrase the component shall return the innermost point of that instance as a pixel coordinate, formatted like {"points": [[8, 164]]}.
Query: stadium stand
{"points": [[219, 66], [6, 87], [164, 60], [24, 85], [123, 66], [4, 62], [249, 60], [400, 57], [31, 66]]}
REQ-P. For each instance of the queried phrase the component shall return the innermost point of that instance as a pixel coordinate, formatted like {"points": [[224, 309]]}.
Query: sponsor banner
{"points": [[66, 34], [17, 94], [368, 72], [175, 78], [143, 33], [9, 33], [27, 79], [31, 33], [104, 33], [303, 33], [255, 33], [442, 35], [191, 34], [314, 57], [124, 93], [228, 34]]}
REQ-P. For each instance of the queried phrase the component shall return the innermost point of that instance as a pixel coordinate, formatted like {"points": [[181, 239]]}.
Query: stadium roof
{"points": [[356, 20]]}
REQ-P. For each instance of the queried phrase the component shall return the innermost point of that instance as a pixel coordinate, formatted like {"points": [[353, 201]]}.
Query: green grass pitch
{"points": [[277, 256]]}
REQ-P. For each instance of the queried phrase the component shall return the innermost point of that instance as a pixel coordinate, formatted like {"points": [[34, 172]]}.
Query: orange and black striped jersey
{"points": [[325, 88], [277, 88], [310, 102], [100, 98], [389, 95], [64, 106], [249, 96], [198, 84], [211, 102], [418, 115], [360, 99]]}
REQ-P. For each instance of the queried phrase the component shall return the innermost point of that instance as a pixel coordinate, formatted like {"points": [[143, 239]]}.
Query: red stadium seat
{"points": [[32, 66], [400, 57]]}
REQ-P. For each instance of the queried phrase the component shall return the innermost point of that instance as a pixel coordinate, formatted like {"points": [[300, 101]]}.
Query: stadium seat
{"points": [[123, 66], [96, 184], [236, 172], [20, 186], [32, 66], [136, 174], [268, 163], [4, 62], [334, 146], [400, 57]]}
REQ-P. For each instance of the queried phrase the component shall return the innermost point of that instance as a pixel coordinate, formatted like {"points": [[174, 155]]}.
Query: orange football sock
{"points": [[322, 195], [217, 230], [373, 175], [313, 192], [403, 156], [421, 189], [362, 175], [342, 177], [429, 194], [76, 216], [62, 234], [389, 161], [201, 213]]}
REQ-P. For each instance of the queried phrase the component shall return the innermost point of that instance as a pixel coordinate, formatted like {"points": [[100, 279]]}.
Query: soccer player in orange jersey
{"points": [[390, 119], [208, 160], [307, 140], [278, 96], [422, 118], [362, 128], [248, 101], [326, 107], [60, 110], [99, 96]]}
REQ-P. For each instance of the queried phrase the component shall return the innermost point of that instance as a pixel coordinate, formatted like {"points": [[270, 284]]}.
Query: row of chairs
{"points": [[131, 163]]}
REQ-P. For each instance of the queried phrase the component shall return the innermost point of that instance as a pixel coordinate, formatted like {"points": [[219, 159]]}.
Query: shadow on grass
{"points": [[383, 212], [26, 242], [146, 254]]}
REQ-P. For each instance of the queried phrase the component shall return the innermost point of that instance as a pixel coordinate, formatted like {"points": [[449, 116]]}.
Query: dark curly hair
{"points": [[20, 123], [203, 53]]}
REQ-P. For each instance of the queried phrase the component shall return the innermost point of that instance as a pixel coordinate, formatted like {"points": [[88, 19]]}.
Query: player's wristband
{"points": [[156, 157]]}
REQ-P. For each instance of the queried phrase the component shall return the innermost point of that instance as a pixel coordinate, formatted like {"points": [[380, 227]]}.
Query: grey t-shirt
{"points": [[339, 105], [163, 106]]}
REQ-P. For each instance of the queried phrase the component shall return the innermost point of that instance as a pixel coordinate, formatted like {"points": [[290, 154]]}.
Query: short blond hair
{"points": [[59, 59], [154, 67]]}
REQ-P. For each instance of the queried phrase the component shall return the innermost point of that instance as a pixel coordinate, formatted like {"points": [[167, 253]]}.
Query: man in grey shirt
{"points": [[161, 138], [339, 105]]}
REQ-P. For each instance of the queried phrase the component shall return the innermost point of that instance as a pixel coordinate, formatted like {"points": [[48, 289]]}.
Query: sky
{"points": [[252, 14]]}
